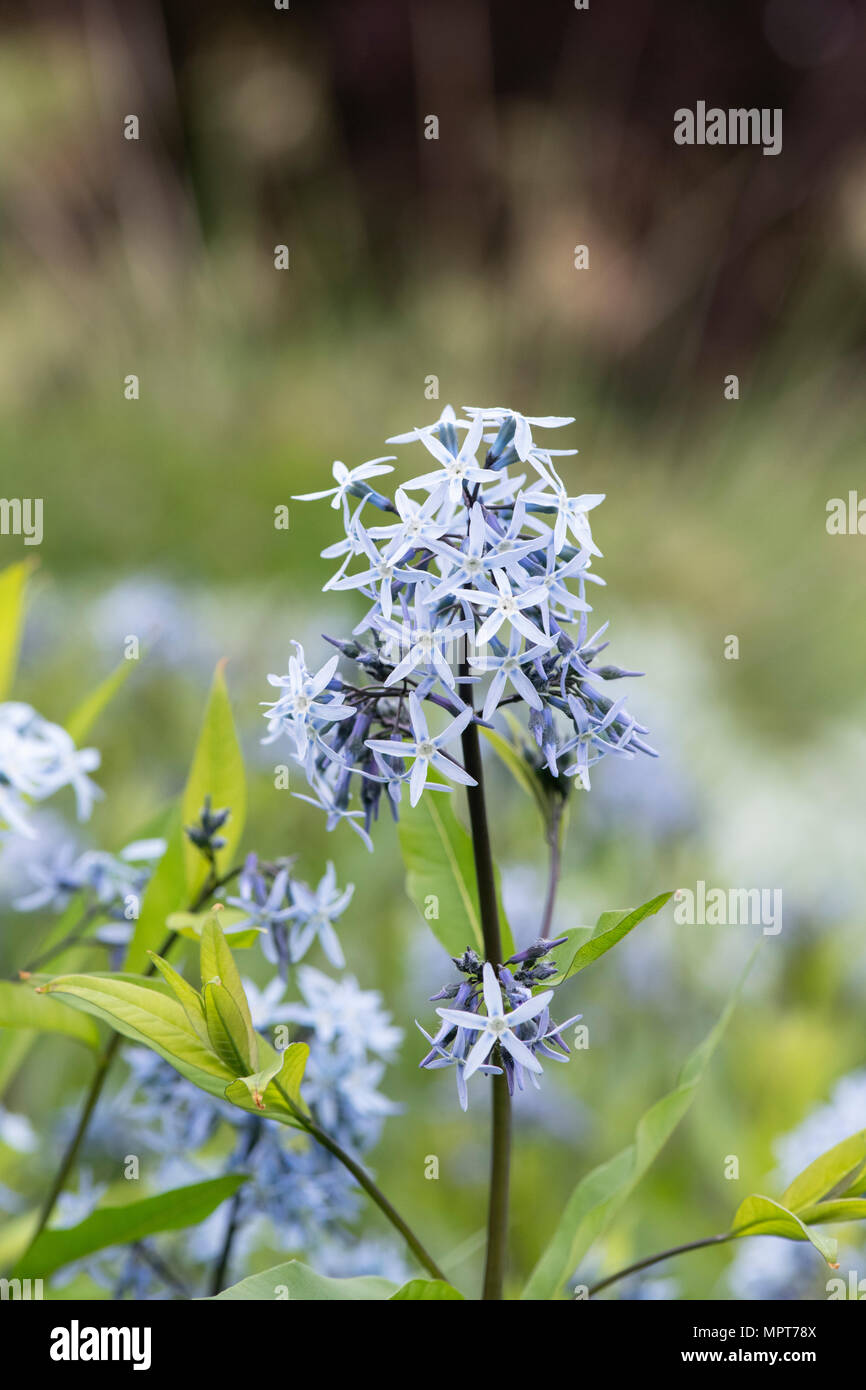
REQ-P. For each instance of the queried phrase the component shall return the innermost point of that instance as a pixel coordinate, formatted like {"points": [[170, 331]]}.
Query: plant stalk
{"points": [[500, 1137], [362, 1177], [656, 1259]]}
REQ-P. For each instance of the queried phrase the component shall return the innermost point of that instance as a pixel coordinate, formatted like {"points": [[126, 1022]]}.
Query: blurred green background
{"points": [[454, 258]]}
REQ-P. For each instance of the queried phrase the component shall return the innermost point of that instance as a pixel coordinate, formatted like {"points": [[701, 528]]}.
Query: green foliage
{"points": [[440, 876], [294, 1280], [427, 1291], [122, 1225], [610, 929], [208, 1037], [761, 1216], [21, 1007], [217, 772], [13, 587], [601, 1194], [84, 716], [826, 1191]]}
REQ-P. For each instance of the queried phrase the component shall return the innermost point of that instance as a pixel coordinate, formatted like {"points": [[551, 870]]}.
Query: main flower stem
{"points": [[500, 1139]]}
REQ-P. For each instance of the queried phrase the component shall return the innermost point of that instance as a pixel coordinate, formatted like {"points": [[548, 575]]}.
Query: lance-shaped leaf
{"points": [[85, 715], [837, 1209], [148, 1016], [123, 1225], [22, 1007], [165, 893], [190, 925], [189, 999], [600, 1195], [840, 1172], [761, 1216], [218, 772], [225, 1027], [609, 930], [297, 1282], [218, 963]]}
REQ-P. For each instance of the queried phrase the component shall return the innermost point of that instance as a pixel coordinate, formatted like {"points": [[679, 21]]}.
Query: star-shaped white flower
{"points": [[506, 606], [346, 479], [425, 750], [497, 1026], [456, 469]]}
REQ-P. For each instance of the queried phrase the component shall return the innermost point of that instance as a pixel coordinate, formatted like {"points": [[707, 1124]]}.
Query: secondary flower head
{"points": [[484, 580], [514, 1030]]}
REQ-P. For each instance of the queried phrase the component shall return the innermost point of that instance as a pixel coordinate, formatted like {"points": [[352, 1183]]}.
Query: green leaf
{"points": [[122, 1225], [225, 1027], [294, 1280], [839, 1172], [761, 1216], [189, 999], [837, 1209], [165, 893], [217, 962], [600, 1195], [440, 875], [426, 1291], [22, 1007], [282, 1071], [13, 586], [609, 930], [85, 714], [218, 772], [148, 1016], [190, 924]]}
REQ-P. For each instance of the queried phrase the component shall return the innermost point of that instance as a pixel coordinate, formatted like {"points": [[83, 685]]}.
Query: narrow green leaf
{"points": [[165, 894], [426, 1291], [217, 962], [837, 1209], [600, 1195], [13, 587], [22, 1007], [440, 875], [218, 772], [122, 1225], [761, 1216], [226, 1030], [609, 930], [190, 924], [841, 1171], [296, 1281], [189, 999], [150, 1017], [85, 714]]}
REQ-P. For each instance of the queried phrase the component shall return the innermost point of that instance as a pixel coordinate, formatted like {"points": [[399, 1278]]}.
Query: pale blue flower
{"points": [[426, 749]]}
